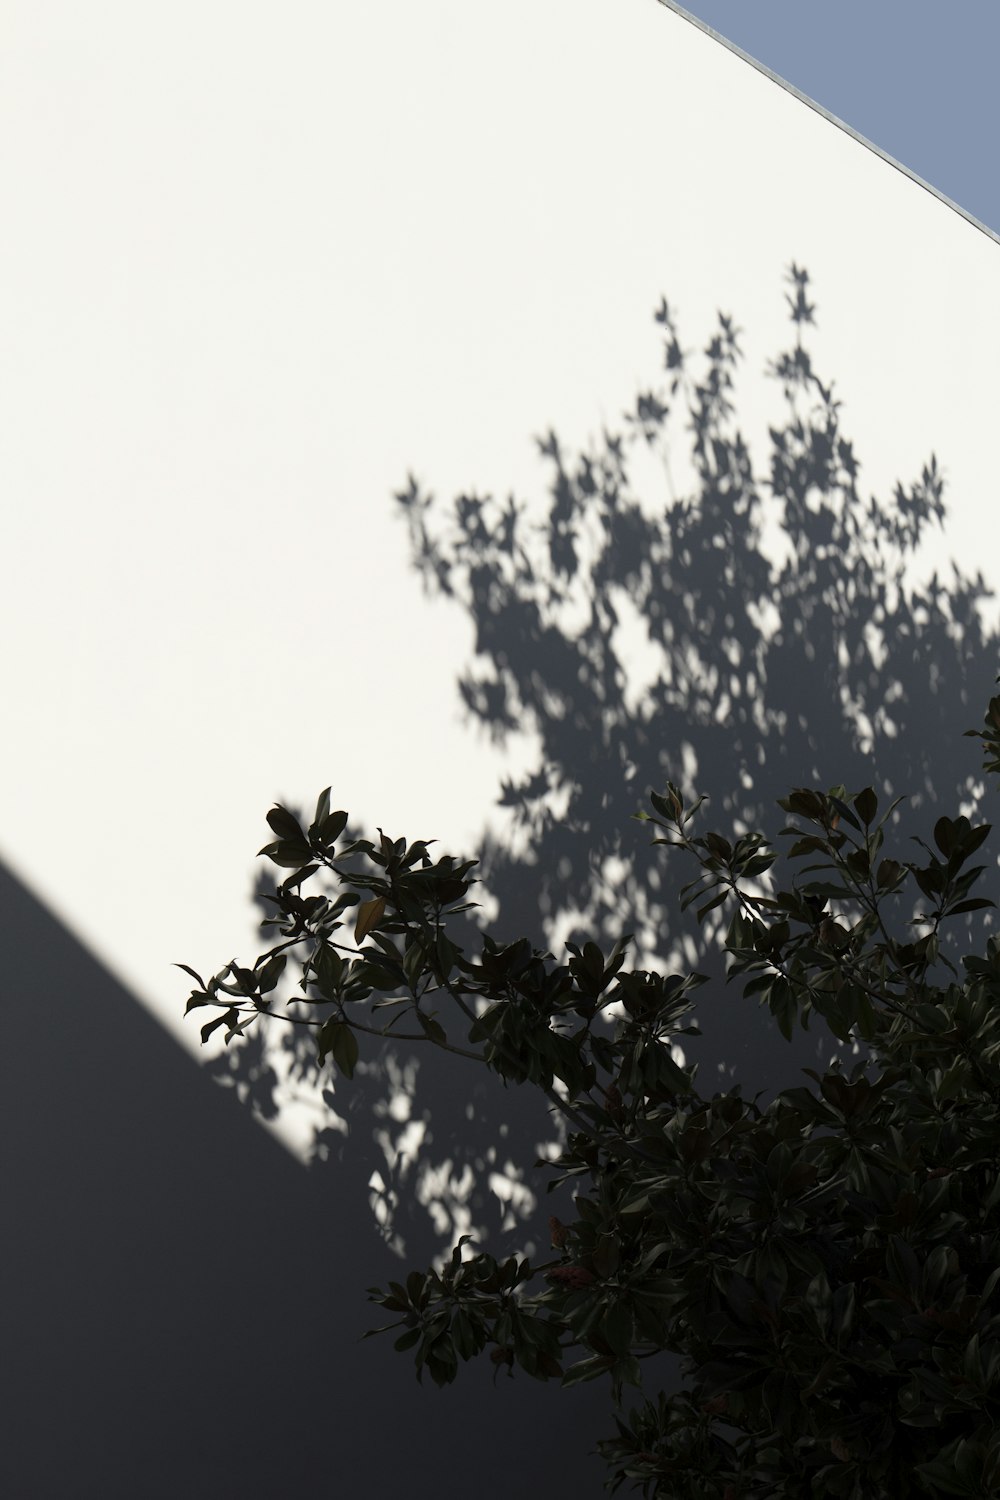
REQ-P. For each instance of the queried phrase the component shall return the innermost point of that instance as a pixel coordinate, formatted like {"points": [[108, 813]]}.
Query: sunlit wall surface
{"points": [[266, 269]]}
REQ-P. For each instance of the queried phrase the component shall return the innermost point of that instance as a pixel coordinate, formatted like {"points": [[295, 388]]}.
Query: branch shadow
{"points": [[753, 634]]}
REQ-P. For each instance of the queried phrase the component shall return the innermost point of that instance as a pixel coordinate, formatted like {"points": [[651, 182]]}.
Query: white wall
{"points": [[257, 263]]}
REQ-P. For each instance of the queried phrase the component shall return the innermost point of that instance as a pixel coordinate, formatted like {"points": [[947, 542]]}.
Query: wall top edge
{"points": [[833, 119]]}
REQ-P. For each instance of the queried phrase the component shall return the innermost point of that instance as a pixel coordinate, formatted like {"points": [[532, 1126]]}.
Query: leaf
{"points": [[285, 824], [845, 812], [345, 1052], [271, 973], [370, 913], [196, 977], [804, 802], [811, 844], [587, 1369], [328, 968], [431, 1028], [619, 1328], [888, 873], [866, 805], [669, 806], [978, 903], [210, 1026], [607, 1254], [289, 853], [379, 974], [944, 835], [322, 807], [336, 1037], [971, 841], [332, 826], [716, 900]]}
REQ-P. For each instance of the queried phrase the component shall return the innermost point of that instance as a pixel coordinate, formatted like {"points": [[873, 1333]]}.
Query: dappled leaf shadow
{"points": [[753, 632], [439, 1147]]}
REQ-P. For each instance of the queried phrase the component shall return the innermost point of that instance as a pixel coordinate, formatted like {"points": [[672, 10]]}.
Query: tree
{"points": [[826, 1267], [784, 642]]}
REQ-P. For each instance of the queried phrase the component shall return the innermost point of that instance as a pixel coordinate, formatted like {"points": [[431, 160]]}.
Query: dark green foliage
{"points": [[828, 1267]]}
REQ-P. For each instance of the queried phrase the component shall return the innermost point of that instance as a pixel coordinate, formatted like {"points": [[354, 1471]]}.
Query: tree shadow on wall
{"points": [[753, 634]]}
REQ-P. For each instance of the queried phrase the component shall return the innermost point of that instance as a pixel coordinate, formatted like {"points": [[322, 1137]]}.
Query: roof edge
{"points": [[833, 119]]}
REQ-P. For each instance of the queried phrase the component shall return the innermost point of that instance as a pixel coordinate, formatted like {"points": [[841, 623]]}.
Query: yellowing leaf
{"points": [[370, 914]]}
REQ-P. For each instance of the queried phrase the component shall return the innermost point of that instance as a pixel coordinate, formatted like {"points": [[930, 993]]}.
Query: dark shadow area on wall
{"points": [[182, 1302]]}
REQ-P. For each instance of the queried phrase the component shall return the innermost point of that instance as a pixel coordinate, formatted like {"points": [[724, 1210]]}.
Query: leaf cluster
{"points": [[826, 1268]]}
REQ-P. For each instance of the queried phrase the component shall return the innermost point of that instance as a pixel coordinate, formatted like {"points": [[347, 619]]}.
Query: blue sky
{"points": [[915, 77]]}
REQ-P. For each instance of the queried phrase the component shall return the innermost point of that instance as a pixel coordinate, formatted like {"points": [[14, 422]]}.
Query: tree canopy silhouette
{"points": [[825, 1267]]}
